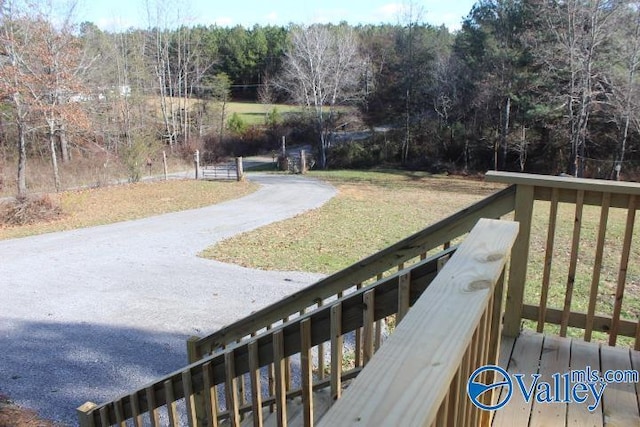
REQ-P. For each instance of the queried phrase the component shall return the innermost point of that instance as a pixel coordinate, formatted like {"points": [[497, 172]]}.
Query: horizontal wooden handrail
{"points": [[408, 379], [564, 182], [494, 206]]}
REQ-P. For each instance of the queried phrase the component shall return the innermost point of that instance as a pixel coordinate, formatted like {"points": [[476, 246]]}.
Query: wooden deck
{"points": [[547, 354]]}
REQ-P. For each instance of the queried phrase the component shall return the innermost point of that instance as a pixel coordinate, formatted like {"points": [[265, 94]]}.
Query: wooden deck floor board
{"points": [[525, 355], [584, 354], [620, 401], [554, 359], [619, 406]]}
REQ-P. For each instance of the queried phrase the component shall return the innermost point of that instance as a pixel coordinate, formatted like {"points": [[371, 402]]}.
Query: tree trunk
{"points": [[505, 132], [64, 146], [54, 156], [22, 161]]}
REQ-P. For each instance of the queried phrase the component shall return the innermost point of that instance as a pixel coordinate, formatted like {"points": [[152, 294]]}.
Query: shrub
{"points": [[136, 156]]}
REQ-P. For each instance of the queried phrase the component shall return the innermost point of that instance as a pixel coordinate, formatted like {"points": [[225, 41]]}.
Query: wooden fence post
{"points": [[519, 260], [239, 169], [196, 161], [164, 164], [303, 162]]}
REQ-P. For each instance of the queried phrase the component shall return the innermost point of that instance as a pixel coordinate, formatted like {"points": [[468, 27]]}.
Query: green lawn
{"points": [[256, 114], [375, 209], [372, 211]]}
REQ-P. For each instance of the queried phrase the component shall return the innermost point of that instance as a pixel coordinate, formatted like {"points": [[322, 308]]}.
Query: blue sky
{"points": [[118, 14]]}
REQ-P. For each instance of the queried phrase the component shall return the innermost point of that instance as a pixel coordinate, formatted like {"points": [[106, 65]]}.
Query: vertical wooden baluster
{"points": [[154, 415], [573, 263], [404, 288], [453, 411], [272, 384], [597, 264], [462, 400], [336, 350], [358, 338], [210, 395], [242, 388], [287, 364], [104, 416], [281, 392], [256, 390], [474, 349], [189, 398], [378, 334], [231, 388], [622, 272], [135, 410], [548, 258], [120, 420], [321, 361], [443, 412], [367, 328], [495, 336], [171, 403], [482, 358], [307, 372]]}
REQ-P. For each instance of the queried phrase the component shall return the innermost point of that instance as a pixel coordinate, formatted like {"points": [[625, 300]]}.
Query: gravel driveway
{"points": [[94, 313]]}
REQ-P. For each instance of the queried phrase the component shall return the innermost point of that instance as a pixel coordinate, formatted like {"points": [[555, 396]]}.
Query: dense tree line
{"points": [[531, 85]]}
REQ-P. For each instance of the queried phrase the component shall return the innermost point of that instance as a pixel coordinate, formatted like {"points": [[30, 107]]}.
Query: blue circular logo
{"points": [[476, 388]]}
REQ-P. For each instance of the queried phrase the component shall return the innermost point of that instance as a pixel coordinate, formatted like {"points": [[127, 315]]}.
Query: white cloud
{"points": [[271, 18]]}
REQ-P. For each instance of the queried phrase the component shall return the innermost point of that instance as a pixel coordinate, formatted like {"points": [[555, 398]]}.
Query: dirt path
{"points": [[90, 314]]}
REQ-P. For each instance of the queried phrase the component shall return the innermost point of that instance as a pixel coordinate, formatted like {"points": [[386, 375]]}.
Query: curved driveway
{"points": [[93, 313]]}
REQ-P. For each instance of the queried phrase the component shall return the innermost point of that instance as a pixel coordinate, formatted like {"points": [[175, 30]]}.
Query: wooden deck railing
{"points": [[585, 258], [234, 367], [215, 388], [419, 376], [374, 267]]}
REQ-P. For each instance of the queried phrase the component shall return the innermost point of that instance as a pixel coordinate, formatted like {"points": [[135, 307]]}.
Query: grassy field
{"points": [[255, 114], [371, 211], [84, 208], [375, 209]]}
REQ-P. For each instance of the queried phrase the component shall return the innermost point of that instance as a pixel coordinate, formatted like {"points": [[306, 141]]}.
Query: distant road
{"points": [[93, 313]]}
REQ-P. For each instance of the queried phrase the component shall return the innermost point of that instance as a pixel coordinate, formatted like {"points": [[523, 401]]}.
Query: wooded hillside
{"points": [[532, 85]]}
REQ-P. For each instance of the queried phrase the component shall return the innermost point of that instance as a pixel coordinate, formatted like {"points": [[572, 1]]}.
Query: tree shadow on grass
{"points": [[53, 368]]}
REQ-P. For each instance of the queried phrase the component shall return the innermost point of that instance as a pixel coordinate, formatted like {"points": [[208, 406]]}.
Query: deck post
{"points": [[199, 405], [85, 415], [519, 260]]}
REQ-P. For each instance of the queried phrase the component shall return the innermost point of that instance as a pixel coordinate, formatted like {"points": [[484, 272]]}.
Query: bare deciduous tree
{"points": [[322, 70], [40, 78]]}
